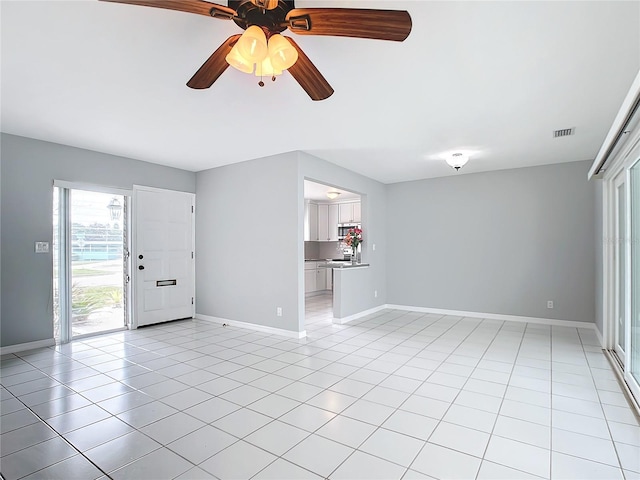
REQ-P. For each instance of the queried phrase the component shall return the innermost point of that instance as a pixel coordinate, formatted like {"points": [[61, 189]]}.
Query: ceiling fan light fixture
{"points": [[237, 61], [252, 45], [283, 55], [333, 195], [265, 69], [457, 160]]}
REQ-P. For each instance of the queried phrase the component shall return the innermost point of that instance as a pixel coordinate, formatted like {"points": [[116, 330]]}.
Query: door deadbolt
{"points": [[140, 256]]}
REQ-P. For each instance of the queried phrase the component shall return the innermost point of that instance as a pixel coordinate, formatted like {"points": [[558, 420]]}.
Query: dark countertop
{"points": [[345, 265], [325, 260], [337, 263]]}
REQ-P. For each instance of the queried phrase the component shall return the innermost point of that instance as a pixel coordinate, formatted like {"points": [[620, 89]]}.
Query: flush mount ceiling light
{"points": [[333, 195], [457, 160], [261, 48]]}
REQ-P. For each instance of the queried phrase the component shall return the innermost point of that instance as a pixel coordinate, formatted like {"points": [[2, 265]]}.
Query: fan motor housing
{"points": [[272, 21]]}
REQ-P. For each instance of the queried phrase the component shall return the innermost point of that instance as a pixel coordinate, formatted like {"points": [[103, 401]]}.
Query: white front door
{"points": [[163, 264]]}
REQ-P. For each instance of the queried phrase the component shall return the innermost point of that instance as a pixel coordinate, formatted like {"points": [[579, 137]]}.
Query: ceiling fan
{"points": [[263, 20]]}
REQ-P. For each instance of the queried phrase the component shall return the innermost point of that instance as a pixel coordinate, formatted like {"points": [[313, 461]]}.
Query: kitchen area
{"points": [[329, 214]]}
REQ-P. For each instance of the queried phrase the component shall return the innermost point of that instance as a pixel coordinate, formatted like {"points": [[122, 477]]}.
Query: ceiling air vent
{"points": [[563, 133]]}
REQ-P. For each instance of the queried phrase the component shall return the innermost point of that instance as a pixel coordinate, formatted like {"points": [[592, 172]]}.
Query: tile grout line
{"points": [[59, 435], [604, 415]]}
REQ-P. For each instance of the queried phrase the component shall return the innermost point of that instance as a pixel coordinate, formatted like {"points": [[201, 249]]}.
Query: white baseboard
{"points": [[497, 316], [252, 326], [350, 318], [599, 336], [22, 347]]}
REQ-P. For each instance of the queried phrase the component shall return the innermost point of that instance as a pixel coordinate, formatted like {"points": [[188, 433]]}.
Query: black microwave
{"points": [[343, 229]]}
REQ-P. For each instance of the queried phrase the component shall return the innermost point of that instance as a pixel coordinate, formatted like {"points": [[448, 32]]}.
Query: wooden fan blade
{"points": [[201, 7], [351, 22], [214, 66], [308, 76]]}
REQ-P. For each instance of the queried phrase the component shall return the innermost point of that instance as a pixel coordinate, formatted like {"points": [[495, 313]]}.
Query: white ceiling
{"points": [[490, 78], [318, 192]]}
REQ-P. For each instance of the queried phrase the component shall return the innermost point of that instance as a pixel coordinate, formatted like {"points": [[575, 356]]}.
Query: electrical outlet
{"points": [[42, 247], [550, 304], [375, 294], [279, 311], [373, 247]]}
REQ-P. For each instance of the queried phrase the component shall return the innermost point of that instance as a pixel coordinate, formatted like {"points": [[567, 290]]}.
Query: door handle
{"points": [[141, 267]]}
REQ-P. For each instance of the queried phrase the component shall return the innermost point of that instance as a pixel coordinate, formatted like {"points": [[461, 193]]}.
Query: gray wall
{"points": [[249, 237], [499, 242], [28, 169], [247, 242]]}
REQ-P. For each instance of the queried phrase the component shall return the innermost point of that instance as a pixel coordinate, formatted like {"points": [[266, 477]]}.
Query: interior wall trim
{"points": [[615, 366], [599, 335], [23, 347], [497, 316], [621, 126], [251, 326], [364, 313]]}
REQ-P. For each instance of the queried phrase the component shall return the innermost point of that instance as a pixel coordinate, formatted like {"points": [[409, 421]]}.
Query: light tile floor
{"points": [[394, 395]]}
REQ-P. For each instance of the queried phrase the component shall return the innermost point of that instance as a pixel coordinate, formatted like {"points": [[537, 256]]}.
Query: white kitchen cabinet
{"points": [[350, 213], [323, 222], [328, 222], [357, 212], [333, 223], [329, 283], [313, 222], [307, 227], [321, 278], [310, 276]]}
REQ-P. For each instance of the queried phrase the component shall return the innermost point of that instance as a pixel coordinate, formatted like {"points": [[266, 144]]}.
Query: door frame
{"points": [[621, 244], [133, 319], [622, 166], [609, 269], [64, 271]]}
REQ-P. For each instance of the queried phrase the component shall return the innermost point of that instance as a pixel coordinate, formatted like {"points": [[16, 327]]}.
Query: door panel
{"points": [[163, 259], [91, 260], [632, 373], [620, 254]]}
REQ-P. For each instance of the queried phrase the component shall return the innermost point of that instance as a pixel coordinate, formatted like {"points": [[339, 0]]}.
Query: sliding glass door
{"points": [[90, 262], [632, 372], [620, 258]]}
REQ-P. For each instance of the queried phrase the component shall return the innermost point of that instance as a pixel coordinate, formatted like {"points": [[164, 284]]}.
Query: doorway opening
{"points": [[329, 213], [90, 255]]}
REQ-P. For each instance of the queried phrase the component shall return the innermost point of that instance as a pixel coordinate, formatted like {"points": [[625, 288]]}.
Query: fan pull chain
{"points": [[261, 83]]}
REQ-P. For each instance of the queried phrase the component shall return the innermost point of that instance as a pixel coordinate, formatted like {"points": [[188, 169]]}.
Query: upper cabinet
{"points": [[333, 223], [328, 222], [350, 213], [321, 220], [313, 221]]}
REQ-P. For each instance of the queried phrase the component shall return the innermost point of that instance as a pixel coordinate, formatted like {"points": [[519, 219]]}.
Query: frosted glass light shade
{"points": [[283, 55], [253, 44], [457, 160], [237, 61], [265, 69]]}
